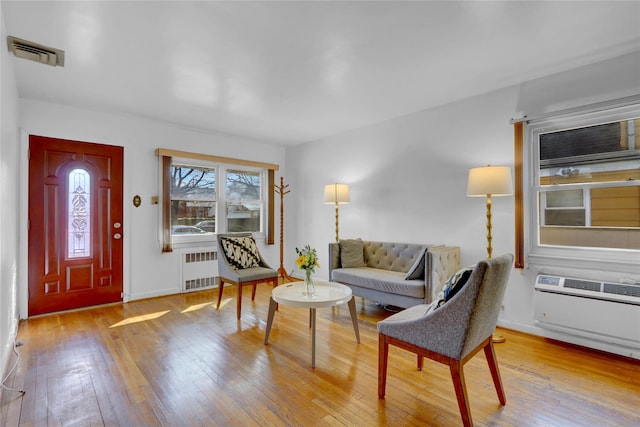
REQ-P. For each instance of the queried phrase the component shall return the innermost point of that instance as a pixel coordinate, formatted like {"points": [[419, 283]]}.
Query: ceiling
{"points": [[292, 72]]}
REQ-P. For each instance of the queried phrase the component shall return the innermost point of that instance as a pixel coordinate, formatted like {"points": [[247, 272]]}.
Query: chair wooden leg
{"points": [[490, 354], [275, 283], [461, 391], [239, 302], [220, 287], [272, 312], [420, 362], [253, 292], [383, 357]]}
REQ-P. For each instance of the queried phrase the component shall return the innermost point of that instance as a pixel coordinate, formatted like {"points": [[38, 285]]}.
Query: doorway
{"points": [[75, 244]]}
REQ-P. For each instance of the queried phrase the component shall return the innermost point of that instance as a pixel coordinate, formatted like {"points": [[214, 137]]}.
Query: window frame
{"points": [[188, 240], [612, 263], [168, 157], [223, 208]]}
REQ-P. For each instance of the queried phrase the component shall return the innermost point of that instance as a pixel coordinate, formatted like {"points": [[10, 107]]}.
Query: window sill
{"points": [[210, 240], [179, 242], [610, 265]]}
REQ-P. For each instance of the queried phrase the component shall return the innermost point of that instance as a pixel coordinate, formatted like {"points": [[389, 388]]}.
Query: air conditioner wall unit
{"points": [[608, 312]]}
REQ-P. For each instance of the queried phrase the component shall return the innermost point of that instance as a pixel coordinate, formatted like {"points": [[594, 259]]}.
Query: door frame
{"points": [[23, 216]]}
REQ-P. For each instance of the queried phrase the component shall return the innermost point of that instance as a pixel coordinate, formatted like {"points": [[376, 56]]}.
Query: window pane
{"points": [[564, 199], [192, 217], [615, 207], [192, 183], [79, 220], [568, 217], [243, 217], [193, 205], [242, 185], [564, 207], [582, 141], [604, 212], [601, 153]]}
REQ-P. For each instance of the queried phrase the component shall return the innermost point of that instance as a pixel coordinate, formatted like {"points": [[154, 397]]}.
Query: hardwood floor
{"points": [[177, 361]]}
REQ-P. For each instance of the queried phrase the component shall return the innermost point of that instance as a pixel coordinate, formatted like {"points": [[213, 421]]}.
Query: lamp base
{"points": [[498, 338]]}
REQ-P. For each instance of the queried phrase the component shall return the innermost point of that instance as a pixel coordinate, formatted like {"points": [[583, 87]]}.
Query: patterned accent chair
{"points": [[240, 264], [453, 332]]}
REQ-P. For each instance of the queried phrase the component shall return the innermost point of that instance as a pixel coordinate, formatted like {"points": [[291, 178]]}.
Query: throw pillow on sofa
{"points": [[351, 253], [417, 269]]}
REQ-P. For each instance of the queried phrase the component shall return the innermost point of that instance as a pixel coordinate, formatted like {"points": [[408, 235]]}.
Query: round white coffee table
{"points": [[328, 294]]}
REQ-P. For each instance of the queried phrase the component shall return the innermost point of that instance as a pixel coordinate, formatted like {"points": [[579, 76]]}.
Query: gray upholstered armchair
{"points": [[454, 332], [240, 264]]}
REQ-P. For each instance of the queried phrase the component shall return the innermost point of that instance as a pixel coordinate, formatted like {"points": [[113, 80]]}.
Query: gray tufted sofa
{"points": [[382, 278]]}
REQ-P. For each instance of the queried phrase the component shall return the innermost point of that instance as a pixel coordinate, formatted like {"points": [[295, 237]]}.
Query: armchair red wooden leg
{"points": [[220, 287], [490, 354], [461, 391], [383, 357], [239, 302]]}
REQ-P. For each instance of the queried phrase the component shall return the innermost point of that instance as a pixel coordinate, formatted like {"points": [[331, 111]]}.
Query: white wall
{"points": [[8, 213], [147, 272], [408, 176]]}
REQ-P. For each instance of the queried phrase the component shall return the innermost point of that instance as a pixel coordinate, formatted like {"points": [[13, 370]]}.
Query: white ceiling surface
{"points": [[292, 72]]}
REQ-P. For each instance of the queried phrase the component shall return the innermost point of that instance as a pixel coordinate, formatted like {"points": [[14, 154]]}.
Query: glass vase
{"points": [[308, 288]]}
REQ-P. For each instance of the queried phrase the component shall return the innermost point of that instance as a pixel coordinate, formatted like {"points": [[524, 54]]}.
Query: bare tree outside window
{"points": [[244, 204], [193, 199]]}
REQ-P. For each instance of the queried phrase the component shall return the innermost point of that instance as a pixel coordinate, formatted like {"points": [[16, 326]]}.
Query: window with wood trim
{"points": [[204, 195]]}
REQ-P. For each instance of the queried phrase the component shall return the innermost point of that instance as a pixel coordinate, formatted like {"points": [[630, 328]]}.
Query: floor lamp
{"points": [[490, 181], [338, 194]]}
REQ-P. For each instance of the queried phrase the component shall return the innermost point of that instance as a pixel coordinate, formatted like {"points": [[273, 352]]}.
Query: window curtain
{"points": [[166, 205], [271, 203], [518, 150]]}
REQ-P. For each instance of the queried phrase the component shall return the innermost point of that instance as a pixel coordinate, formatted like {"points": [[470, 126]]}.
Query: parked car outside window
{"points": [[207, 226], [187, 229]]}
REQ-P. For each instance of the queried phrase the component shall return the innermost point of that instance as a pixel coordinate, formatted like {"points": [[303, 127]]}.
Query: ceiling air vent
{"points": [[36, 52]]}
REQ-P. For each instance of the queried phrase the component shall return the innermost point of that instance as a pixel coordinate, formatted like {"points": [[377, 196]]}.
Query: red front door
{"points": [[75, 224]]}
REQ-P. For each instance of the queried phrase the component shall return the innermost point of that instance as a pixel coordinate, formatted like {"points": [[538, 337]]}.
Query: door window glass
{"points": [[79, 219]]}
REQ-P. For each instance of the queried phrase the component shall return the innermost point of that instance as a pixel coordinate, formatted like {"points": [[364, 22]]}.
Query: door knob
{"points": [[117, 236]]}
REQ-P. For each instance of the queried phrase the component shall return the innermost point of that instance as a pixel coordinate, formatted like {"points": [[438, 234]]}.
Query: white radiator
{"points": [[199, 269], [604, 311]]}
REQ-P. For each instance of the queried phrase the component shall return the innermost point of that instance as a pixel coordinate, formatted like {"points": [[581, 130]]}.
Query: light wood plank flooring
{"points": [[177, 361]]}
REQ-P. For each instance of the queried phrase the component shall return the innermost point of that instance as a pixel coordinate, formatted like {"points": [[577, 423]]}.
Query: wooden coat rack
{"points": [[282, 190]]}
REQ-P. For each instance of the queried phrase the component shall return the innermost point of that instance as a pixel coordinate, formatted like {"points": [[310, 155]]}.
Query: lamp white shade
{"points": [[490, 180], [336, 193]]}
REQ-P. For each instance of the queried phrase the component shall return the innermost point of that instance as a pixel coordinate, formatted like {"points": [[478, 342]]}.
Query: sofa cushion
{"points": [[391, 256], [351, 253], [241, 252], [382, 280], [417, 269]]}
